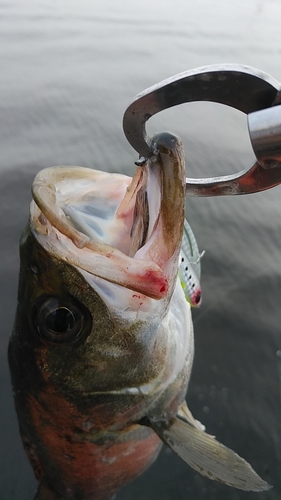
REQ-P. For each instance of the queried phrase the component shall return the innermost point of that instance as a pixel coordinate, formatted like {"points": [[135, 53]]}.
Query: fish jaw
{"points": [[62, 193], [99, 254]]}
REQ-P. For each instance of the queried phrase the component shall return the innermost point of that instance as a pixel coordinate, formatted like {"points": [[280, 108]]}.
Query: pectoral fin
{"points": [[206, 455]]}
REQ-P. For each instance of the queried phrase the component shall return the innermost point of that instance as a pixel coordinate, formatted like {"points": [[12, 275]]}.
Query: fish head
{"points": [[100, 263]]}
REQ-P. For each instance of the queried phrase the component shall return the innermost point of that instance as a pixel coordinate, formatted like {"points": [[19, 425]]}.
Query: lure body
{"points": [[190, 266]]}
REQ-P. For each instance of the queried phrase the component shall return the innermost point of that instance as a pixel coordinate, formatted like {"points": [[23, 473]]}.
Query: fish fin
{"points": [[205, 454], [185, 414]]}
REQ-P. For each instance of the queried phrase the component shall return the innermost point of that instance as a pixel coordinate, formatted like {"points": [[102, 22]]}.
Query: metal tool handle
{"points": [[265, 134]]}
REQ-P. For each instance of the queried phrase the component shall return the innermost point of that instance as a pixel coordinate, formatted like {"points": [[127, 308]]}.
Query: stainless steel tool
{"points": [[241, 87]]}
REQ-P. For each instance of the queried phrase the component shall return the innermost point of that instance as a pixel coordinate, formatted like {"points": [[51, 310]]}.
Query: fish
{"points": [[102, 347]]}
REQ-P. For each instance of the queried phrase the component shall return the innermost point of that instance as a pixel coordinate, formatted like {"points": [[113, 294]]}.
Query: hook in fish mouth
{"points": [[126, 231]]}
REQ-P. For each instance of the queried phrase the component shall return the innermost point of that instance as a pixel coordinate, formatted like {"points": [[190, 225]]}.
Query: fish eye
{"points": [[59, 321]]}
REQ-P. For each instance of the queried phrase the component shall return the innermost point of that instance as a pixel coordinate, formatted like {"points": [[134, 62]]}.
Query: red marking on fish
{"points": [[152, 281], [69, 455]]}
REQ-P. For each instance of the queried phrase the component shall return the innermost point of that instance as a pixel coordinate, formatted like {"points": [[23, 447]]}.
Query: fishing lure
{"points": [[190, 266]]}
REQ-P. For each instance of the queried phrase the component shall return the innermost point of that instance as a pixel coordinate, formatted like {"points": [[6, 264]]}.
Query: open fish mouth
{"points": [[124, 230]]}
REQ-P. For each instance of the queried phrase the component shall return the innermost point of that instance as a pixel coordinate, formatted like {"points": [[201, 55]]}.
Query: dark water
{"points": [[68, 71]]}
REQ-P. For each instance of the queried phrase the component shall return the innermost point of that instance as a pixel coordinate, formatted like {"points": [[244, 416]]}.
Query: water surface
{"points": [[68, 71]]}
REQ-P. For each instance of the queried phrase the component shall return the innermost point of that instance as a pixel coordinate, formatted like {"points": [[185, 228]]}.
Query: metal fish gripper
{"points": [[246, 89]]}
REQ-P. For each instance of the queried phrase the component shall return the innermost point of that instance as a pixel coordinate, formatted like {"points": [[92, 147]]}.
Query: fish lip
{"points": [[148, 272]]}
